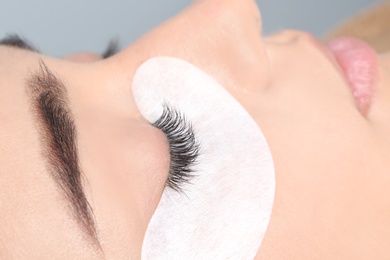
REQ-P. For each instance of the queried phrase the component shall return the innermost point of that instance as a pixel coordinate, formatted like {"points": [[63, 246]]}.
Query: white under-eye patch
{"points": [[225, 210]]}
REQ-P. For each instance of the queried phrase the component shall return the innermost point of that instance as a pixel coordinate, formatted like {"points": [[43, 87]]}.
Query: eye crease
{"points": [[183, 146]]}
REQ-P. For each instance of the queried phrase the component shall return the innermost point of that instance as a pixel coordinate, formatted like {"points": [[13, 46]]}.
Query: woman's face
{"points": [[330, 153]]}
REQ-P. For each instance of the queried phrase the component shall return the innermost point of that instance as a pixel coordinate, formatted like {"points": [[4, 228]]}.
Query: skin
{"points": [[331, 160]]}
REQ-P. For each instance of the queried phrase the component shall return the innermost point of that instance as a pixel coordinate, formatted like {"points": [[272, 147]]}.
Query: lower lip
{"points": [[360, 66]]}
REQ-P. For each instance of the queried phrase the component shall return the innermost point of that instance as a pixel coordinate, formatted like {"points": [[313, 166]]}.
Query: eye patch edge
{"points": [[226, 210]]}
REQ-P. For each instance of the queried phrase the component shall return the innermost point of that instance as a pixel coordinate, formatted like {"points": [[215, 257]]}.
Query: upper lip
{"points": [[358, 64]]}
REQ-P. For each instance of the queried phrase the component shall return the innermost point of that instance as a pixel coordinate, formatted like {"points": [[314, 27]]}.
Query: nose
{"points": [[237, 30]]}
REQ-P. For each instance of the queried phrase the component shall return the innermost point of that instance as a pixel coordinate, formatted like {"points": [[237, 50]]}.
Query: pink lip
{"points": [[360, 66]]}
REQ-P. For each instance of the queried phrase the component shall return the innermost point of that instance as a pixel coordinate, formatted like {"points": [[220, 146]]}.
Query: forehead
{"points": [[14, 103], [21, 160], [19, 143]]}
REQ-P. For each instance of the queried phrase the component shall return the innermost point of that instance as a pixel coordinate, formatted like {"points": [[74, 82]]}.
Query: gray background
{"points": [[59, 27]]}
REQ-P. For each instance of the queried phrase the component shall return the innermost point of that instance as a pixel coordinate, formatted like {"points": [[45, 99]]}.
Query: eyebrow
{"points": [[14, 40], [50, 106]]}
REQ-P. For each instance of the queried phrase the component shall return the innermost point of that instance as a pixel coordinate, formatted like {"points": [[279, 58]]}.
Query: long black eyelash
{"points": [[184, 149]]}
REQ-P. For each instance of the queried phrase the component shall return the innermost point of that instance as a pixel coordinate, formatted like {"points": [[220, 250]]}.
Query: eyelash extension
{"points": [[184, 148], [112, 49]]}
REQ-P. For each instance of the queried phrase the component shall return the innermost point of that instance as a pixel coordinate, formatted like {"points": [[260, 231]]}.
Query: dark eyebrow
{"points": [[14, 40], [50, 106]]}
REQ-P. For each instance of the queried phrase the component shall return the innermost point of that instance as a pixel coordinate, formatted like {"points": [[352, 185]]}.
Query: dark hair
{"points": [[371, 26]]}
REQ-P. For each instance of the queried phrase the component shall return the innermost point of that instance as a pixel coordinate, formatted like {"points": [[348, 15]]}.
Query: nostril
{"points": [[83, 57]]}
